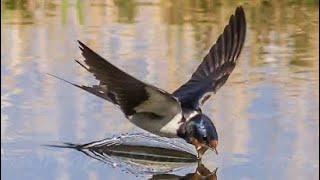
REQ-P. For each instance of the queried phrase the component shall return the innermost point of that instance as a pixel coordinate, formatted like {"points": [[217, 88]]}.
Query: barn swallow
{"points": [[177, 114]]}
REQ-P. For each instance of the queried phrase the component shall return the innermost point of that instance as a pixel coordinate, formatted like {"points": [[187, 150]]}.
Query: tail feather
{"points": [[95, 90]]}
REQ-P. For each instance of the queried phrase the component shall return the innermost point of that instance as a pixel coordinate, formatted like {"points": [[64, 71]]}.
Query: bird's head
{"points": [[201, 132]]}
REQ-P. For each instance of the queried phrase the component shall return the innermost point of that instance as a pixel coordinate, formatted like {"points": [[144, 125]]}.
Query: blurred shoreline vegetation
{"points": [[174, 11], [202, 15]]}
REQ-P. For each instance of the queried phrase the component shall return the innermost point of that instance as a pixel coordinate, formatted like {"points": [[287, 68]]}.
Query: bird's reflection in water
{"points": [[147, 155], [201, 172]]}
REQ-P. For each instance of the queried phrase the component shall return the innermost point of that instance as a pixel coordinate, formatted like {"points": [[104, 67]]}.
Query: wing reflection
{"points": [[145, 155]]}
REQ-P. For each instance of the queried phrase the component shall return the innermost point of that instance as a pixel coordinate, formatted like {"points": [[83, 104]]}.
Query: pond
{"points": [[267, 114]]}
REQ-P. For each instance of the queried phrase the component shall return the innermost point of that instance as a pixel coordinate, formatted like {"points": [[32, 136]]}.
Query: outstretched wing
{"points": [[216, 66], [118, 87]]}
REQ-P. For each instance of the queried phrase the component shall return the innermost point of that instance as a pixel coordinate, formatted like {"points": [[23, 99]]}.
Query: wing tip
{"points": [[239, 10], [240, 14], [81, 45], [82, 65], [242, 25]]}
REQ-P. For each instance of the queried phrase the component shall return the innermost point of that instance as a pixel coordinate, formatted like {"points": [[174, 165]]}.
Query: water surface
{"points": [[266, 114]]}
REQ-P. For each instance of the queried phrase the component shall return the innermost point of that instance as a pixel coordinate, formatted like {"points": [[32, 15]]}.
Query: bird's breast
{"points": [[159, 125]]}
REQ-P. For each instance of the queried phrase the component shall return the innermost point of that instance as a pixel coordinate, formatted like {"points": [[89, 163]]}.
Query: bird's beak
{"points": [[213, 146], [212, 149], [215, 150], [202, 148]]}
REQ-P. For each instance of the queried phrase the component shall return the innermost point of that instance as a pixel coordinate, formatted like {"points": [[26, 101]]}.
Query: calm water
{"points": [[266, 114]]}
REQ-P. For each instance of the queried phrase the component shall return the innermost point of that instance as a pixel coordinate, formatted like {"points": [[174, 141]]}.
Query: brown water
{"points": [[266, 114]]}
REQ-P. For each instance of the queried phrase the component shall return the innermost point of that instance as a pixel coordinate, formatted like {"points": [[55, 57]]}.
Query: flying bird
{"points": [[177, 114]]}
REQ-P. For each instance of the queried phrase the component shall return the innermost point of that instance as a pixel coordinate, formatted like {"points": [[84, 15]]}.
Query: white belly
{"points": [[166, 127]]}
